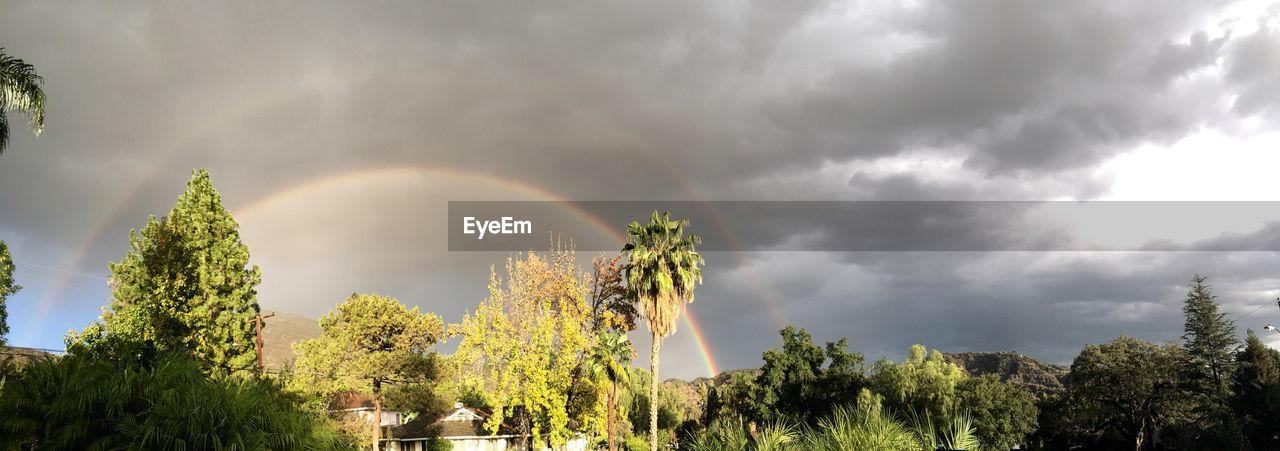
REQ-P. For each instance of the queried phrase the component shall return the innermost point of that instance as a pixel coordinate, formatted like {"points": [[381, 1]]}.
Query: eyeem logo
{"points": [[505, 226]]}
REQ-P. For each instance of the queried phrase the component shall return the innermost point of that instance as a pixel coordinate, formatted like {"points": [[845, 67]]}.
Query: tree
{"points": [[528, 341], [7, 288], [185, 286], [1257, 393], [1004, 414], [369, 342], [924, 383], [662, 269], [1210, 340], [1130, 387], [611, 307], [19, 91], [609, 362], [1211, 344], [803, 382]]}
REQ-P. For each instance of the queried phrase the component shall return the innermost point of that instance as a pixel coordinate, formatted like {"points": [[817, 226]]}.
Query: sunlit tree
{"points": [[609, 362]]}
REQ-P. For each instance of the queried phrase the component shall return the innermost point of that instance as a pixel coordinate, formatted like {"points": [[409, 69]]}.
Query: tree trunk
{"points": [[377, 413], [653, 393], [613, 414]]}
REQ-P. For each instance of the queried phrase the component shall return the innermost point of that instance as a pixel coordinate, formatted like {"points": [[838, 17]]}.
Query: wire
{"points": [[1246, 315]]}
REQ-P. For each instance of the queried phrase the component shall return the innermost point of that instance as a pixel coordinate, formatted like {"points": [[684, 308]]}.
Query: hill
{"points": [[1038, 377], [280, 331]]}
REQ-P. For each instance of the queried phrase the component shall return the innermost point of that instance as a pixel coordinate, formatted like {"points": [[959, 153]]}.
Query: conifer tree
{"points": [[1210, 340], [186, 285]]}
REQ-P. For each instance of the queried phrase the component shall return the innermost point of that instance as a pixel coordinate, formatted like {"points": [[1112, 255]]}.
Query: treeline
{"points": [[172, 364]]}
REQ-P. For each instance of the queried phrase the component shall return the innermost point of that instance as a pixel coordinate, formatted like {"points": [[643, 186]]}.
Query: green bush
{"points": [[78, 402]]}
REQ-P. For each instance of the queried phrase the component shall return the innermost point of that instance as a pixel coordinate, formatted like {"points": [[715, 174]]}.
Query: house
{"points": [[462, 427], [361, 406]]}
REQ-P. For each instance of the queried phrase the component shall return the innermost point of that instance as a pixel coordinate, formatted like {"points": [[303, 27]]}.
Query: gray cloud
{"points": [[624, 101]]}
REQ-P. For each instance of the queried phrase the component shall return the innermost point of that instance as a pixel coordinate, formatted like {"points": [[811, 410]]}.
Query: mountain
{"points": [[280, 331], [1038, 377]]}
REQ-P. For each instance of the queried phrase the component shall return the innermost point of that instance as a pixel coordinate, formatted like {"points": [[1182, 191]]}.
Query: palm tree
{"points": [[19, 91], [609, 362], [663, 267]]}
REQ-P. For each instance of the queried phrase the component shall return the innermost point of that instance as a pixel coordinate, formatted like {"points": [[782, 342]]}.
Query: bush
{"points": [[78, 402]]}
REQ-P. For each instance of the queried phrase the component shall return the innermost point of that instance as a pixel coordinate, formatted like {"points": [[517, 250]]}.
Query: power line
{"points": [[61, 270]]}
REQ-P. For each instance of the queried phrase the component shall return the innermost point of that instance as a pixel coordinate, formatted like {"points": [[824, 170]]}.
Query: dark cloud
{"points": [[624, 101]]}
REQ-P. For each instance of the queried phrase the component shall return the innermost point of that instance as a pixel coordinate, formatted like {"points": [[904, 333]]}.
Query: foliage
{"points": [[924, 382], [19, 91], [803, 382], [185, 286], [528, 341], [7, 288], [1210, 340], [609, 362], [1130, 388], [858, 428], [369, 341], [1257, 394], [662, 269], [611, 307], [80, 402], [1004, 415]]}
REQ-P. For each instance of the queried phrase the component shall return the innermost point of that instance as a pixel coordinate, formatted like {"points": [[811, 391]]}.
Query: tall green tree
{"points": [[19, 91], [186, 285], [609, 363], [1130, 388], [802, 382], [1210, 340], [662, 269], [7, 288], [1257, 393], [369, 342], [924, 383]]}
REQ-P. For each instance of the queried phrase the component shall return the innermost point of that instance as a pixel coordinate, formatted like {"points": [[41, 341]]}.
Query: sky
{"points": [[337, 132]]}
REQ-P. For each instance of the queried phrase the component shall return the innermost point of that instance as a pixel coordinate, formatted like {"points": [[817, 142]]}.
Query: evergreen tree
{"points": [[186, 286], [7, 287], [1210, 341]]}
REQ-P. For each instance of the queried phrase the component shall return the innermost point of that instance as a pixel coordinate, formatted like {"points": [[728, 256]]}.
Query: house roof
{"points": [[460, 422]]}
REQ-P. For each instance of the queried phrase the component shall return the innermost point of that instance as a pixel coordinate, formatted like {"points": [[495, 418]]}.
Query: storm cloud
{"points": [[338, 133]]}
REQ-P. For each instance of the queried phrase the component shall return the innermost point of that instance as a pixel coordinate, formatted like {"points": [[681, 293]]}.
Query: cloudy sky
{"points": [[337, 132]]}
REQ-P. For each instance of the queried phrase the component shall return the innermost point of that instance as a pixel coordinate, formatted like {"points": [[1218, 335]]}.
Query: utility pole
{"points": [[258, 320]]}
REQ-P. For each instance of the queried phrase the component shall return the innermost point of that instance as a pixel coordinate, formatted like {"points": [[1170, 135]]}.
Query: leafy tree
{"points": [[662, 269], [185, 286], [1004, 414], [611, 307], [369, 342], [7, 288], [1257, 393], [803, 382], [528, 341], [82, 402], [609, 362], [925, 383], [19, 91], [1129, 387]]}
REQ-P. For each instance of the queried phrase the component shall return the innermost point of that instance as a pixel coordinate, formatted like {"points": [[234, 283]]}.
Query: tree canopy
{"points": [[185, 285]]}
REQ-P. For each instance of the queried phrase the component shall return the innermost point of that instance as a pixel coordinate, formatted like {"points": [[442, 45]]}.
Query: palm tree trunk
{"points": [[613, 415], [653, 393]]}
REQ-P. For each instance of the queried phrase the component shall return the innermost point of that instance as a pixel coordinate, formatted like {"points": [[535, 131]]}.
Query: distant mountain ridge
{"points": [[279, 332], [1038, 377]]}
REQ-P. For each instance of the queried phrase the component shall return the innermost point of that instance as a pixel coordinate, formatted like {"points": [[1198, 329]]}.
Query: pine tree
{"points": [[1210, 340], [186, 285]]}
